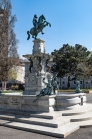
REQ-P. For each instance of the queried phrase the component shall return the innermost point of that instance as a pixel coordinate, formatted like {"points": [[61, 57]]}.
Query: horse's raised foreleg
{"points": [[49, 24]]}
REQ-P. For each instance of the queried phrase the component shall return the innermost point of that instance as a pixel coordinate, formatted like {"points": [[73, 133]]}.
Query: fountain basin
{"points": [[70, 100]]}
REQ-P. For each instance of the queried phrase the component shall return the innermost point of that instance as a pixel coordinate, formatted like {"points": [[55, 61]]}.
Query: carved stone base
{"points": [[34, 84], [43, 104], [37, 68], [25, 102]]}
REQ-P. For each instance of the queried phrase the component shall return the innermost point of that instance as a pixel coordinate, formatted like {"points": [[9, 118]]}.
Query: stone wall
{"points": [[25, 102], [43, 104]]}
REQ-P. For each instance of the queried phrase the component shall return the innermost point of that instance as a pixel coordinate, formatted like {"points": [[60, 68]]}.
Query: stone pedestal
{"points": [[38, 46], [37, 68], [33, 84]]}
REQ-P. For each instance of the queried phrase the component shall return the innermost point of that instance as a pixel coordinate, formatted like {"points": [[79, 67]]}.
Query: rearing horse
{"points": [[42, 23]]}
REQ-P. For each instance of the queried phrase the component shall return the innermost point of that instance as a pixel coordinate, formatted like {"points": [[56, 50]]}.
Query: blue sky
{"points": [[71, 22]]}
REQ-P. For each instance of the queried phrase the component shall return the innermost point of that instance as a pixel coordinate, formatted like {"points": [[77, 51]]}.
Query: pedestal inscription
{"points": [[15, 102]]}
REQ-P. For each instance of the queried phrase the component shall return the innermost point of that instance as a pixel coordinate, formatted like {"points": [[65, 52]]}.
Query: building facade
{"points": [[20, 73], [63, 83]]}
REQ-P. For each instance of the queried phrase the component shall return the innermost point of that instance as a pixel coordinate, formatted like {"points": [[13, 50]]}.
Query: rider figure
{"points": [[35, 21]]}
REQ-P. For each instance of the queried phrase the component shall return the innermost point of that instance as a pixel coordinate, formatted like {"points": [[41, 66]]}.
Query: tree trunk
{"points": [[68, 85], [83, 84], [3, 85]]}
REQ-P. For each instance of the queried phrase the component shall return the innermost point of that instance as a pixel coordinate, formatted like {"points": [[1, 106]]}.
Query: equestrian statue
{"points": [[39, 24]]}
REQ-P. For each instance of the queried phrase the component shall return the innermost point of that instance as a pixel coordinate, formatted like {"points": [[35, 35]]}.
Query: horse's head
{"points": [[43, 17], [41, 20]]}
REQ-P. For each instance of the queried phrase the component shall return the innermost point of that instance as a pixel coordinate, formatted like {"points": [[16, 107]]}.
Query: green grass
{"points": [[73, 90], [12, 91]]}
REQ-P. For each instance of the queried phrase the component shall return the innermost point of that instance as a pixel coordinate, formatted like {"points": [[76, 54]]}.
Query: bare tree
{"points": [[8, 43]]}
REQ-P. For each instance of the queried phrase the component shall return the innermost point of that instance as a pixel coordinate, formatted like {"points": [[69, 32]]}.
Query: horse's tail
{"points": [[28, 33]]}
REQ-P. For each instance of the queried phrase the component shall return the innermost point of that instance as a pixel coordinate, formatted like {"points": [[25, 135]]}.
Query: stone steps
{"points": [[82, 117], [84, 124], [62, 131], [51, 115], [45, 115], [78, 111], [55, 123]]}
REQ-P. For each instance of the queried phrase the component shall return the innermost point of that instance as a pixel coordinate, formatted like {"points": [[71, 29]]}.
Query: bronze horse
{"points": [[42, 23]]}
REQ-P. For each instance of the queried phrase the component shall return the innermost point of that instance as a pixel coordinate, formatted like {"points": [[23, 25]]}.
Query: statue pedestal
{"points": [[36, 69], [33, 84], [38, 46]]}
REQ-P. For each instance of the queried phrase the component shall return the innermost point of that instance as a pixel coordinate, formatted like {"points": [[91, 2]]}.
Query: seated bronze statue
{"points": [[51, 86]]}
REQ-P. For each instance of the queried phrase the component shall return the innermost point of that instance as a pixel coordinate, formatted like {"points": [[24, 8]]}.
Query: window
{"points": [[74, 82], [80, 82]]}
